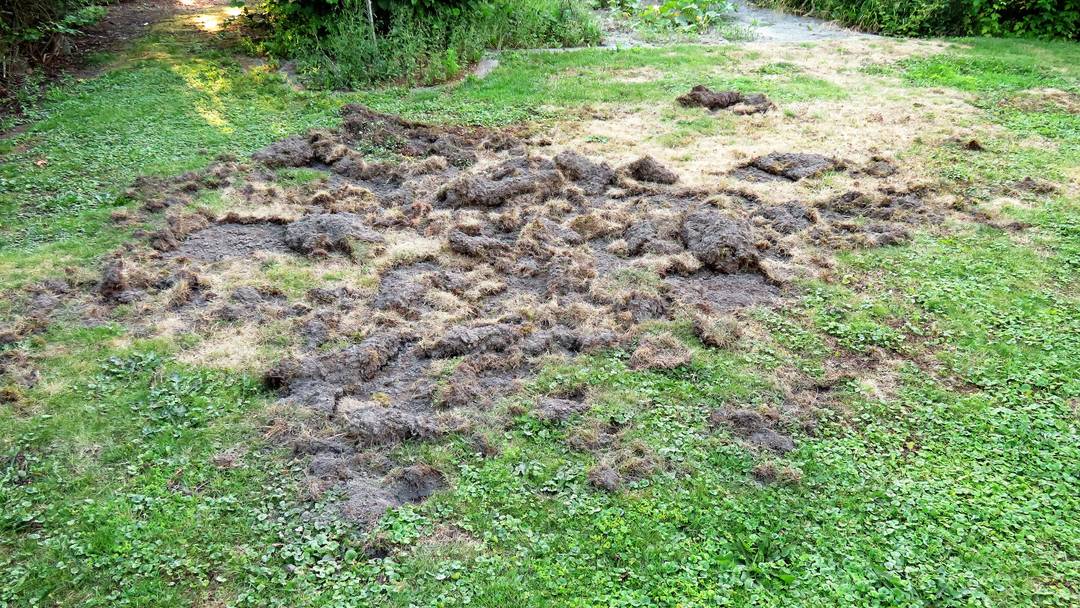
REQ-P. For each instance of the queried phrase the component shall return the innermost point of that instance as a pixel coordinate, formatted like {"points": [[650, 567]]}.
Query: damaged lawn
{"points": [[500, 343]]}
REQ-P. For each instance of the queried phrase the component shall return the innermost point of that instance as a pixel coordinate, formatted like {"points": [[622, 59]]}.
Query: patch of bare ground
{"points": [[402, 301]]}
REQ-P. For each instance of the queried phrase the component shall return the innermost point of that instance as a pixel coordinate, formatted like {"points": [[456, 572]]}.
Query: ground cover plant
{"points": [[812, 347], [687, 17]]}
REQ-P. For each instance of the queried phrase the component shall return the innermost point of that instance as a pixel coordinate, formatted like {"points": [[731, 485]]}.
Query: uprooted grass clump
{"points": [[472, 258]]}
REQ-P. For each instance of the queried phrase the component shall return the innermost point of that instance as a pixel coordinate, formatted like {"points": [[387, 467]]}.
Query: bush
{"points": [[688, 16], [34, 29], [1052, 19], [416, 42]]}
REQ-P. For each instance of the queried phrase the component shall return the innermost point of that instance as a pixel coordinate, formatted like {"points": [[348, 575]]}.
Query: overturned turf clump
{"points": [[324, 233], [660, 351], [786, 166], [483, 259], [739, 103], [648, 169], [722, 243]]}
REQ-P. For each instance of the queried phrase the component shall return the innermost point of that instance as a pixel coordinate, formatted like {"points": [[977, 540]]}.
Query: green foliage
{"points": [[31, 28], [682, 16], [416, 43], [1051, 19], [170, 113]]}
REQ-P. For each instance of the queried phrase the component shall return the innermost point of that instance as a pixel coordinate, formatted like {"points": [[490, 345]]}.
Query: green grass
{"points": [[539, 85], [999, 71], [172, 107], [1008, 79]]}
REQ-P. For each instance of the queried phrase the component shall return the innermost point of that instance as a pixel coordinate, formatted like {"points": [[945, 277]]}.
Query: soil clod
{"points": [[322, 234], [648, 169], [790, 166], [722, 243], [740, 103]]}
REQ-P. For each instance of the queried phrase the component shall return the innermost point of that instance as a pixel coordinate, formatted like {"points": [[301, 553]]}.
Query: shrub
{"points": [[416, 42], [1031, 18], [34, 29], [689, 16]]}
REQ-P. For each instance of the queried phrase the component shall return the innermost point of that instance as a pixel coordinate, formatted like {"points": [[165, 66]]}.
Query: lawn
{"points": [[941, 469]]}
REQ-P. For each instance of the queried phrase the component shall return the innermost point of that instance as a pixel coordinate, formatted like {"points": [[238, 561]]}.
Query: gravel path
{"points": [[750, 22], [767, 25]]}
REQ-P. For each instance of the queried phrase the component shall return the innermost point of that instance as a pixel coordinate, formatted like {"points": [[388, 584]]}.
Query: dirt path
{"points": [[767, 25], [123, 23], [749, 22]]}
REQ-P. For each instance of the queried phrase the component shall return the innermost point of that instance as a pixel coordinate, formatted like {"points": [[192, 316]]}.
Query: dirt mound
{"points": [[482, 258], [789, 166], [323, 233], [591, 176], [722, 243], [755, 430], [522, 179], [648, 169], [739, 103]]}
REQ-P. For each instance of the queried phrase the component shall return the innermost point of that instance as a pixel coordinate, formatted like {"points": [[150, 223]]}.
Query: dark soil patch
{"points": [[739, 103], [323, 233], [786, 166], [755, 429], [368, 498], [223, 241]]}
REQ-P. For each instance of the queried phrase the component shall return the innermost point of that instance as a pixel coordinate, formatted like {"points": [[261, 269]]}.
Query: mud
{"points": [[737, 102], [480, 258]]}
